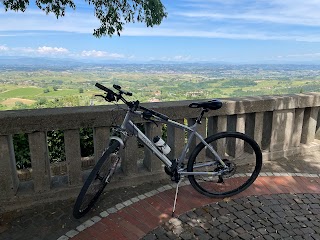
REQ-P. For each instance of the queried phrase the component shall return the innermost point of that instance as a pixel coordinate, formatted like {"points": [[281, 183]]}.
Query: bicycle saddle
{"points": [[212, 104]]}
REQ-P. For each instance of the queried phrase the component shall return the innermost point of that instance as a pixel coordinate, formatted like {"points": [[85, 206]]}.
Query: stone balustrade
{"points": [[282, 125]]}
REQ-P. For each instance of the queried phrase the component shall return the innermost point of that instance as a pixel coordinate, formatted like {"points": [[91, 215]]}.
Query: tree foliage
{"points": [[112, 14]]}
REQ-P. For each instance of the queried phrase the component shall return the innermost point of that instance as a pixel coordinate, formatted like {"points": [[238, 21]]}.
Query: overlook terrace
{"points": [[283, 126]]}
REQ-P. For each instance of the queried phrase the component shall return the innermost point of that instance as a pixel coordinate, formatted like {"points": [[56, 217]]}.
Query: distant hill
{"points": [[29, 62], [55, 64]]}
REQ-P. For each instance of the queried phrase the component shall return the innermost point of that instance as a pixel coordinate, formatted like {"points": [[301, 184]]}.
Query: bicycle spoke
{"points": [[240, 155]]}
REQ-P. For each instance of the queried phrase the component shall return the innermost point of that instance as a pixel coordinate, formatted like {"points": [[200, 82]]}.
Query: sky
{"points": [[231, 31]]}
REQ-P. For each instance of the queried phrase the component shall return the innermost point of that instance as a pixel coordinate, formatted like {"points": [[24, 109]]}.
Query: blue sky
{"points": [[271, 31]]}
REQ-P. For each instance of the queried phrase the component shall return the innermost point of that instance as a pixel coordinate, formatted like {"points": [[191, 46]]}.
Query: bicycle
{"points": [[221, 165]]}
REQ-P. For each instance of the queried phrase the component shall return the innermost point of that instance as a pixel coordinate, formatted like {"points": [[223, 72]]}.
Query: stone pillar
{"points": [[217, 124], [101, 136], [241, 123], [212, 126], [40, 161], [297, 129], [309, 124], [73, 156], [176, 140], [151, 161], [235, 147], [222, 124], [258, 128], [8, 173], [130, 157], [282, 127]]}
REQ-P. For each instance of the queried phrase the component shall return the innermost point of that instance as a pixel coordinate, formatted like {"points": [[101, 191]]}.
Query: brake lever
{"points": [[122, 91], [104, 97]]}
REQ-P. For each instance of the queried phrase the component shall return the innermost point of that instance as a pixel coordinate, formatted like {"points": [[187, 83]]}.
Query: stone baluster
{"points": [[150, 161], [8, 173], [215, 125], [282, 128], [309, 124], [40, 161], [130, 157], [258, 128], [73, 156], [101, 136], [297, 129], [176, 140]]}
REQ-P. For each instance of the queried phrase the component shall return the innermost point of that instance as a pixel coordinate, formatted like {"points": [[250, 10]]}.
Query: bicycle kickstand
{"points": [[176, 197]]}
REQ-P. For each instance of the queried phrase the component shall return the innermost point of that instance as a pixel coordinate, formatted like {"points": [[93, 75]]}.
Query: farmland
{"points": [[40, 87]]}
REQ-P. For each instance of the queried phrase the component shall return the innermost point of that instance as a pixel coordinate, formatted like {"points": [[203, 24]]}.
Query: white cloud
{"points": [[60, 52], [262, 20], [52, 50], [182, 58], [293, 12], [219, 33], [101, 54], [177, 58], [3, 48], [230, 19], [301, 55], [40, 51]]}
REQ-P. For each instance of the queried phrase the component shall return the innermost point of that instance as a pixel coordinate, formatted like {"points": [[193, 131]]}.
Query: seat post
{"points": [[204, 110]]}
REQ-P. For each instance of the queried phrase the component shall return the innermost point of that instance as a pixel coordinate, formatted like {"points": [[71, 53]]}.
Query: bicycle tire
{"points": [[242, 154], [97, 180]]}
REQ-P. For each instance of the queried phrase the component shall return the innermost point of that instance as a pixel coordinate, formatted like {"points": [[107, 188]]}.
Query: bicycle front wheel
{"points": [[238, 151], [97, 180]]}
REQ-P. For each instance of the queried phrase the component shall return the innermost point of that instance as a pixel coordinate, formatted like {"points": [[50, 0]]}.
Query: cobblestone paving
{"points": [[50, 221], [283, 216]]}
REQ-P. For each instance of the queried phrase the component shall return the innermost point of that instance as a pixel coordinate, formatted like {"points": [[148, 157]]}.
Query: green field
{"points": [[44, 88]]}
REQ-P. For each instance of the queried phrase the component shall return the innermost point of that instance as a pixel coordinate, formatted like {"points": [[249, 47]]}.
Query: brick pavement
{"points": [[144, 212], [274, 207]]}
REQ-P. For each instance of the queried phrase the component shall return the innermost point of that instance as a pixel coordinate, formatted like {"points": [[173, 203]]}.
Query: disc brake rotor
{"points": [[230, 172]]}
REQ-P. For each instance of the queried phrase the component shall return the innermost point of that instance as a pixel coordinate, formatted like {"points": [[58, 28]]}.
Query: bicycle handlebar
{"points": [[122, 91], [98, 85], [112, 96]]}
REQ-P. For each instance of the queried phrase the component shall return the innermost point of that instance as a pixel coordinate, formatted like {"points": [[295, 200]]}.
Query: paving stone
{"points": [[150, 236], [223, 236], [187, 235], [277, 216]]}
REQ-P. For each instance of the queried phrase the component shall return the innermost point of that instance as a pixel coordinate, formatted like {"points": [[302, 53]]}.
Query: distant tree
{"points": [[19, 105], [112, 14], [41, 101], [55, 88], [80, 90], [46, 90]]}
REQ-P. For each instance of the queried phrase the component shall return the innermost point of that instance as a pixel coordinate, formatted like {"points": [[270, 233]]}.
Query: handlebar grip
{"points": [[98, 85], [122, 91]]}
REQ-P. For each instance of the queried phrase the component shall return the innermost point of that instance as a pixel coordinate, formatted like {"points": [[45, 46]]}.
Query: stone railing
{"points": [[282, 125]]}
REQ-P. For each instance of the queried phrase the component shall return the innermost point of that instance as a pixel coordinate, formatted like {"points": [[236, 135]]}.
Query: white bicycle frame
{"points": [[130, 127]]}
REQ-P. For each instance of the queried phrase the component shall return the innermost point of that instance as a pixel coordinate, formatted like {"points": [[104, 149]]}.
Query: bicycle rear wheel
{"points": [[97, 180], [238, 151]]}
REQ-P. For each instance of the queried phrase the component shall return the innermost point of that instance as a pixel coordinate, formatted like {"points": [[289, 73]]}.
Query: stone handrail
{"points": [[282, 125]]}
